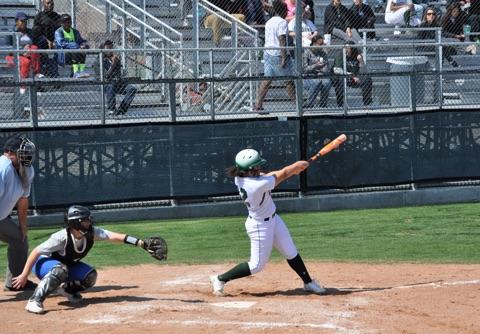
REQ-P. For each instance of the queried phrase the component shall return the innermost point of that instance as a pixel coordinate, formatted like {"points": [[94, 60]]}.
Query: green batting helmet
{"points": [[248, 158]]}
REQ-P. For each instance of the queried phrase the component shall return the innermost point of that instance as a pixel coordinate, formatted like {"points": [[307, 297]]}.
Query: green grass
{"points": [[429, 234]]}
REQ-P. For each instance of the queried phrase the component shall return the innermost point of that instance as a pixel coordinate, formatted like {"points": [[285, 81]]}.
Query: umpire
{"points": [[16, 175]]}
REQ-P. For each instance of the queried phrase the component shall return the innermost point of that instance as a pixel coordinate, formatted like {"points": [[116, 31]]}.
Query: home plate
{"points": [[235, 304]]}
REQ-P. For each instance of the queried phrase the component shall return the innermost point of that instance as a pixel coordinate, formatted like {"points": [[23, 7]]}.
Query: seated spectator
{"points": [[430, 20], [403, 13], [315, 64], [29, 62], [112, 69], [254, 12], [453, 21], [362, 17], [67, 37], [308, 28], [218, 25], [277, 62], [45, 24], [354, 64], [338, 22], [474, 18]]}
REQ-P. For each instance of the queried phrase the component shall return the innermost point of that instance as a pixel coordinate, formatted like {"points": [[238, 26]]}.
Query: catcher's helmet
{"points": [[248, 159], [23, 148], [77, 214]]}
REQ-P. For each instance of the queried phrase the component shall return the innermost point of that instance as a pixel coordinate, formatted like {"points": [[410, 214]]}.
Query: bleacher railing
{"points": [[405, 81]]}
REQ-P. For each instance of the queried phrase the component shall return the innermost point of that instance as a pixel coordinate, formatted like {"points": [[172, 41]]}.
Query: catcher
{"points": [[56, 262]]}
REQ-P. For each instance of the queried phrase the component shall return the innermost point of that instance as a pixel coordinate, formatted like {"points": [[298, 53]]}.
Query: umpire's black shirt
{"points": [[47, 23]]}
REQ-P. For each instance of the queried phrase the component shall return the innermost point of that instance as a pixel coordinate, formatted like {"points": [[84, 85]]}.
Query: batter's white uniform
{"points": [[264, 227]]}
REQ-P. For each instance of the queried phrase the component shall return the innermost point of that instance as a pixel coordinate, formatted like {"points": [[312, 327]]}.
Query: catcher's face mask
{"points": [[26, 152]]}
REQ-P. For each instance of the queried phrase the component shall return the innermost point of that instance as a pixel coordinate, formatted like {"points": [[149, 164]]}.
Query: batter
{"points": [[264, 226]]}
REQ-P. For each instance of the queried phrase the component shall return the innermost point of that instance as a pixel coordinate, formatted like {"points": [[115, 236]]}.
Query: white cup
{"points": [[328, 39]]}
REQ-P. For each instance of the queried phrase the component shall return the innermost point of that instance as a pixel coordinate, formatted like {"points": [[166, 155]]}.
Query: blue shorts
{"points": [[76, 272], [272, 68]]}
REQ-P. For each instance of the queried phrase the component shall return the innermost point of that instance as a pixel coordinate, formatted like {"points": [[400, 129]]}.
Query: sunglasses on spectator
{"points": [[431, 13]]}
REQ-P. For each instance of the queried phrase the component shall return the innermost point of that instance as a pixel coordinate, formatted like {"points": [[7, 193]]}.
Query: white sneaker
{"points": [[217, 285], [397, 32], [74, 298], [34, 307], [314, 287]]}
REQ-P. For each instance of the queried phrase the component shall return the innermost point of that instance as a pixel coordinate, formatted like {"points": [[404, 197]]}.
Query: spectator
{"points": [[308, 28], [315, 63], [453, 21], [363, 17], [254, 12], [16, 176], [45, 24], [403, 12], [430, 20], [310, 5], [291, 4], [29, 62], [186, 7], [338, 22], [474, 18], [112, 69], [354, 64], [67, 37], [212, 21], [276, 62]]}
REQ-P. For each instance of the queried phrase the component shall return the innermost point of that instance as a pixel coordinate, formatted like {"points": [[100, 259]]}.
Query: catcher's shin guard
{"points": [[50, 282], [87, 282]]}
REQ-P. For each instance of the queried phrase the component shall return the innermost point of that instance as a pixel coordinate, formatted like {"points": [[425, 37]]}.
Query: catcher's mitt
{"points": [[157, 247]]}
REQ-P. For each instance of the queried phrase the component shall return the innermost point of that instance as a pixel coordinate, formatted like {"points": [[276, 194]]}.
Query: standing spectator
{"points": [[276, 62], [29, 62], [403, 12], [16, 175], [308, 28], [212, 21], [363, 17], [67, 37], [45, 24], [291, 5], [338, 22], [354, 64], [430, 20], [112, 69], [315, 63]]}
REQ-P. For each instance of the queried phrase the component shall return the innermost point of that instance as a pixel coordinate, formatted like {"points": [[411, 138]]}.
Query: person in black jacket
{"points": [[338, 22], [362, 17], [112, 71], [430, 20], [45, 23], [354, 64]]}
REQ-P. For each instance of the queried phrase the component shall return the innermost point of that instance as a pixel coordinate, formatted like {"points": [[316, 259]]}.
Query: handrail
{"points": [[163, 24], [130, 15], [250, 30]]}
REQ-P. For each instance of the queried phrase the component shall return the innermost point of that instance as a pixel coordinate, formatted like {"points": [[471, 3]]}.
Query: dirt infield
{"points": [[405, 298]]}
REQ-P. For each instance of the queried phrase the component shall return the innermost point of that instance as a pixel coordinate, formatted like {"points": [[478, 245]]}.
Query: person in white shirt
{"points": [[264, 226], [16, 176], [403, 12], [308, 28], [277, 62]]}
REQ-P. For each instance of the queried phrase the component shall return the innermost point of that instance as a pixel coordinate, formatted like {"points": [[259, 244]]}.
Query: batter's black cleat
{"points": [[29, 286]]}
